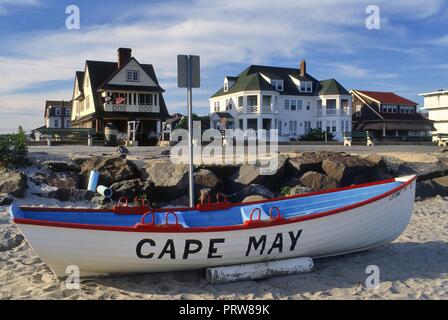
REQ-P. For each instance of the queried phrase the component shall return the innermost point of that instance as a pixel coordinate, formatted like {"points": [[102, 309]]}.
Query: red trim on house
{"points": [[162, 228]]}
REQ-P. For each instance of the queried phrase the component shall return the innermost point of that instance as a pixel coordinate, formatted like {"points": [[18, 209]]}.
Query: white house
{"points": [[287, 99], [436, 104], [58, 114]]}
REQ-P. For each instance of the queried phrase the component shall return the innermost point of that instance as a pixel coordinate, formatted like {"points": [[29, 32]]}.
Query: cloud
{"points": [[356, 72], [6, 5]]}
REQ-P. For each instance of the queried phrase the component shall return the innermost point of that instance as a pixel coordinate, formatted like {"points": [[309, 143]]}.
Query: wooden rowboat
{"points": [[129, 239]]}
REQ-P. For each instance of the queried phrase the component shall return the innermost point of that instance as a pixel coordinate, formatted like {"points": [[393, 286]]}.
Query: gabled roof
{"points": [[251, 79], [101, 71], [80, 80], [386, 97], [331, 86], [223, 115]]}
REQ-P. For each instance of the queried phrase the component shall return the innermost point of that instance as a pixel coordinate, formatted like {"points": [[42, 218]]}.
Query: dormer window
{"points": [[306, 87], [226, 86], [132, 76], [57, 111], [277, 84]]}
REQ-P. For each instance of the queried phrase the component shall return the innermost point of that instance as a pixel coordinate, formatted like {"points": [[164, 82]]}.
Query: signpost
{"points": [[188, 76]]}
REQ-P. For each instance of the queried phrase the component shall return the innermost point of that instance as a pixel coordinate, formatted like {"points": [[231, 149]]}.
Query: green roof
{"points": [[251, 79], [331, 86]]}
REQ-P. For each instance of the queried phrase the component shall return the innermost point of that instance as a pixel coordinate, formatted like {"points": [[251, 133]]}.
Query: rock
{"points": [[5, 200], [132, 189], [246, 175], [170, 180], [111, 169], [182, 202], [220, 170], [376, 159], [71, 195], [100, 200], [299, 189], [432, 188], [345, 168], [306, 161], [206, 184], [62, 166], [9, 239], [64, 180], [13, 183], [39, 179], [317, 181], [250, 190], [253, 198]]}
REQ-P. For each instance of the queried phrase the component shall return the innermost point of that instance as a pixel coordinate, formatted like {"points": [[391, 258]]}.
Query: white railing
{"points": [[332, 112], [109, 107], [255, 109]]}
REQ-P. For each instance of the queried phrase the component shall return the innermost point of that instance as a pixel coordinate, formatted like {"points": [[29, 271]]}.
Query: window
{"points": [[319, 125], [306, 87], [56, 123], [67, 112], [240, 101], [216, 106], [228, 104], [226, 86], [252, 101], [333, 126], [307, 126], [67, 123], [308, 106], [57, 111], [277, 84], [267, 101], [293, 105], [132, 76], [327, 125], [358, 111], [292, 128], [145, 99], [287, 105], [299, 105]]}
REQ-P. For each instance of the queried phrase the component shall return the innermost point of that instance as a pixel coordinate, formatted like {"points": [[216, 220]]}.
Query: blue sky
{"points": [[39, 56]]}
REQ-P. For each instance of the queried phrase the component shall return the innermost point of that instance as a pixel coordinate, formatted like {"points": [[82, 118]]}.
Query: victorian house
{"points": [[57, 114], [287, 99], [119, 93]]}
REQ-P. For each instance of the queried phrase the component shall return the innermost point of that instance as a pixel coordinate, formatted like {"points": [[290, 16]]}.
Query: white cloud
{"points": [[7, 5], [356, 72]]}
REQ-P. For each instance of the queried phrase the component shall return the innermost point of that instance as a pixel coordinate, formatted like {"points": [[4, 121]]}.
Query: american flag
{"points": [[120, 100]]}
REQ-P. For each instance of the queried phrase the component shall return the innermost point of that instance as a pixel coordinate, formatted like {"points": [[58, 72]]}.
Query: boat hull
{"points": [[98, 252]]}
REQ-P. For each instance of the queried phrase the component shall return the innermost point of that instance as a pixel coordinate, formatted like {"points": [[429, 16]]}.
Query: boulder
{"points": [[132, 189], [220, 170], [299, 189], [170, 180], [206, 184], [376, 159], [111, 169], [9, 239], [345, 168], [62, 166], [253, 198], [13, 183], [250, 190], [306, 161], [5, 200], [317, 181], [432, 188], [64, 180], [71, 195], [246, 175]]}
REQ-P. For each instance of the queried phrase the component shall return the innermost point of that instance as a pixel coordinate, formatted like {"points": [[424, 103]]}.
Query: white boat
{"points": [[139, 239]]}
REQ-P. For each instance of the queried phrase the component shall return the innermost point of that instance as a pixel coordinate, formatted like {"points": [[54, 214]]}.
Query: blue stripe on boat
{"points": [[289, 208]]}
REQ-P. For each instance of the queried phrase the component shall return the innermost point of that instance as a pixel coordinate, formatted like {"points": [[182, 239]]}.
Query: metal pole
{"points": [[190, 133]]}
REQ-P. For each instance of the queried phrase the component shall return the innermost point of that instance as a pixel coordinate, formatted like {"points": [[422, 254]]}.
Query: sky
{"points": [[406, 53]]}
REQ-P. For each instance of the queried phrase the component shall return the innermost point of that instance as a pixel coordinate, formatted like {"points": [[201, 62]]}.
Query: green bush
{"points": [[317, 135], [13, 149]]}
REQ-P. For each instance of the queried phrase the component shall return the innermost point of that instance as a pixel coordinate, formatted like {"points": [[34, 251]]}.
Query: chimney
{"points": [[124, 54], [302, 68]]}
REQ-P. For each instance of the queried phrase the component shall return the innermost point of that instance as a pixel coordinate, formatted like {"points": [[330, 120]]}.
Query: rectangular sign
{"points": [[188, 67]]}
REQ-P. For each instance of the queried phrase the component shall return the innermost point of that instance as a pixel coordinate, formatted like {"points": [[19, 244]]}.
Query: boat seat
{"points": [[246, 211]]}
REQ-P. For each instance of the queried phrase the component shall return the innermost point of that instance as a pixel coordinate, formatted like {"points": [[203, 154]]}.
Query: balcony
{"points": [[333, 113], [109, 107], [255, 109]]}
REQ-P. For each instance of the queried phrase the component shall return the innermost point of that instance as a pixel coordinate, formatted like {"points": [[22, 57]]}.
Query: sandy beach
{"points": [[415, 266]]}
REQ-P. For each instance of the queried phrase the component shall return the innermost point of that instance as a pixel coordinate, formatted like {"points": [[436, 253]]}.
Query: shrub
{"points": [[285, 191], [13, 149], [317, 135]]}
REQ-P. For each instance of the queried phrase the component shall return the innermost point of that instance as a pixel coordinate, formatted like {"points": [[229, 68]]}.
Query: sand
{"points": [[415, 266]]}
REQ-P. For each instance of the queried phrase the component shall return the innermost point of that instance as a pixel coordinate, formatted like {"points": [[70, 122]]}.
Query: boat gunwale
{"points": [[164, 228]]}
